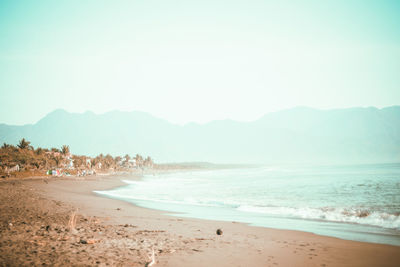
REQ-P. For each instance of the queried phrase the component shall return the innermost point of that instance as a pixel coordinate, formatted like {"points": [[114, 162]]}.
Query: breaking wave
{"points": [[346, 215]]}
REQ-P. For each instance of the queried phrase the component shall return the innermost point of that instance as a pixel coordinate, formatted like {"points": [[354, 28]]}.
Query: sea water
{"points": [[355, 202]]}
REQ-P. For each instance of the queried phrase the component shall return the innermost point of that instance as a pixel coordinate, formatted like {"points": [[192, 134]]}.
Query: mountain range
{"points": [[298, 135]]}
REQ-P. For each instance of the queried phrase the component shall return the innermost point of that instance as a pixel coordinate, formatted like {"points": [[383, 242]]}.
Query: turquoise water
{"points": [[357, 202]]}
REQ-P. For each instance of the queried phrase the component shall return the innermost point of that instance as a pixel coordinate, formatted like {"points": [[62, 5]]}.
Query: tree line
{"points": [[29, 158]]}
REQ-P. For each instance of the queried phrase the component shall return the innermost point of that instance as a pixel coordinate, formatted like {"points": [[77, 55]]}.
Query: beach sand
{"points": [[34, 230]]}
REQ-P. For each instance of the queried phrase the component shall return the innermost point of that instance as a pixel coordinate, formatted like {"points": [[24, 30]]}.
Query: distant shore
{"points": [[36, 229]]}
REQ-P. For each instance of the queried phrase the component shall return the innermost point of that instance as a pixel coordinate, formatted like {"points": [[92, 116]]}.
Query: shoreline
{"points": [[351, 230], [342, 230], [181, 241]]}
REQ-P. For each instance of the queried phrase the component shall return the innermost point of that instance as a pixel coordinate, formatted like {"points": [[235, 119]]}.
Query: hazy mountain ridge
{"points": [[295, 135]]}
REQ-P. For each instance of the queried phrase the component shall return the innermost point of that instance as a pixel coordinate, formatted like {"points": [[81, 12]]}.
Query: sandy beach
{"points": [[35, 230]]}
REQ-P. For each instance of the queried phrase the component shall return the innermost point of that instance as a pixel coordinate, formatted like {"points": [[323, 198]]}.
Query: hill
{"points": [[355, 135]]}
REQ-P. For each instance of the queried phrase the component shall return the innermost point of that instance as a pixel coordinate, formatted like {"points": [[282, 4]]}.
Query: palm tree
{"points": [[65, 150], [139, 160], [57, 160], [93, 162], [39, 151], [108, 161], [138, 157], [5, 145], [148, 161], [23, 144]]}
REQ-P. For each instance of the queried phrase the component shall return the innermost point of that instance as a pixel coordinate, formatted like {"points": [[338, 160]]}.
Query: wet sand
{"points": [[34, 230]]}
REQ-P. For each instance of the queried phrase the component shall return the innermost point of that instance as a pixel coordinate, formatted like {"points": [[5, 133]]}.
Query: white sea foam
{"points": [[359, 216], [130, 182]]}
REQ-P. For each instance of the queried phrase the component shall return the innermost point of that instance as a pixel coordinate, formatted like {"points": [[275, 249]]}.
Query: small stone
{"points": [[83, 241], [219, 231]]}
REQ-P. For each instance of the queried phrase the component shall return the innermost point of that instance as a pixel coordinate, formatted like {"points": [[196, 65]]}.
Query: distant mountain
{"points": [[355, 135]]}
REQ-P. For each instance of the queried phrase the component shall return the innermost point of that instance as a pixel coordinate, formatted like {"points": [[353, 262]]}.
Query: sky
{"points": [[196, 61]]}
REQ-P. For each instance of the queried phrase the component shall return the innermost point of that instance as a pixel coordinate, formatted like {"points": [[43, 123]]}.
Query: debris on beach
{"points": [[152, 258], [72, 222], [219, 231], [49, 232]]}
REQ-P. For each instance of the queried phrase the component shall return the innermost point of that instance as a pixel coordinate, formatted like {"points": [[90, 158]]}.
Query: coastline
{"points": [[190, 242]]}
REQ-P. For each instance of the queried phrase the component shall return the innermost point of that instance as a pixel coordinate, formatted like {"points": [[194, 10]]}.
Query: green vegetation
{"points": [[24, 160], [65, 150], [23, 144]]}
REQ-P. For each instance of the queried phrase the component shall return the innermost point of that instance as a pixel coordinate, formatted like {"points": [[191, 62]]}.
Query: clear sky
{"points": [[196, 60]]}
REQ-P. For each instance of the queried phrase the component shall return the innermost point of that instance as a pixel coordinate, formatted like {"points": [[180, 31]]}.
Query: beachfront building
{"points": [[132, 163]]}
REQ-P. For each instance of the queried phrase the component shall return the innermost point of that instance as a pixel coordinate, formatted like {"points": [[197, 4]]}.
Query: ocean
{"points": [[355, 202]]}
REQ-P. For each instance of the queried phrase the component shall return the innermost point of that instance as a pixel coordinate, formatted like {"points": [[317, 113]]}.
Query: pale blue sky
{"points": [[196, 60]]}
